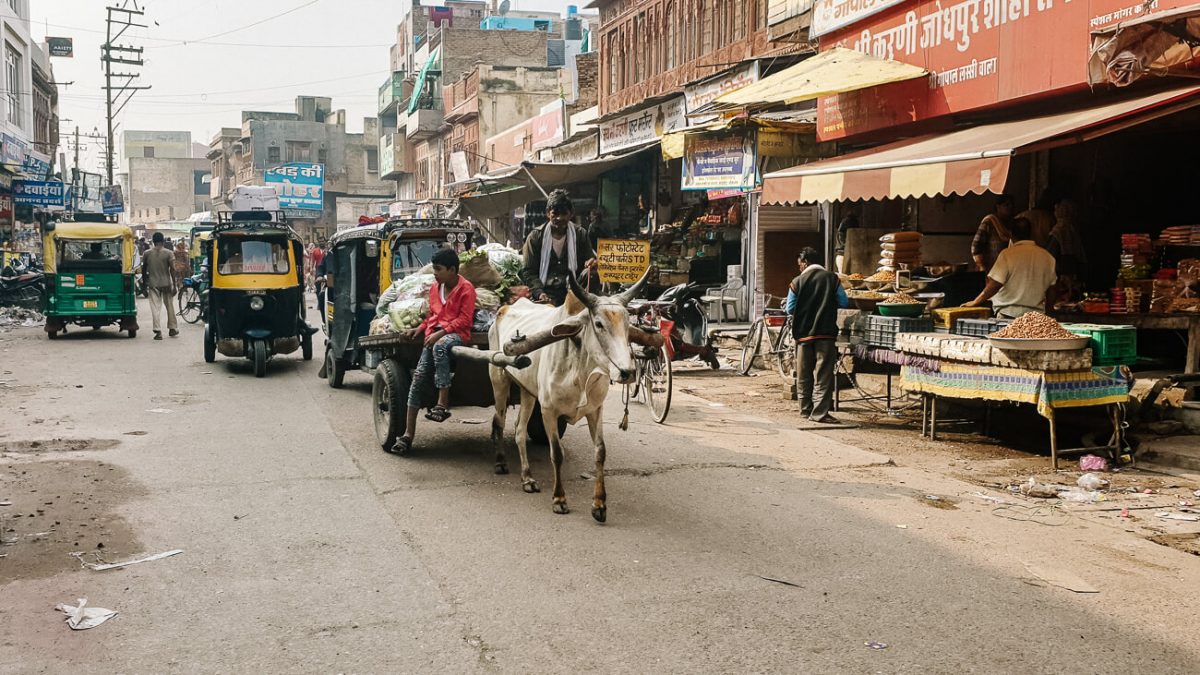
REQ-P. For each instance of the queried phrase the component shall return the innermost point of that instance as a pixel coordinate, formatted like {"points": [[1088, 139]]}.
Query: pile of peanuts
{"points": [[904, 299], [1034, 326]]}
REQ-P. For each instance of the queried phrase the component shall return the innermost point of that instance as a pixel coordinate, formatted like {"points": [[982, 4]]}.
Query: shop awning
{"points": [[835, 71], [1153, 43], [974, 160], [502, 191]]}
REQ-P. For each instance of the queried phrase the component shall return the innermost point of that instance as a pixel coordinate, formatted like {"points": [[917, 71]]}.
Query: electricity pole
{"points": [[120, 19]]}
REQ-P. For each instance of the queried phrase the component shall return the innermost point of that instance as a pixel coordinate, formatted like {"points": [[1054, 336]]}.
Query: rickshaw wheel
{"points": [[132, 333], [306, 347], [335, 370], [387, 401], [210, 345], [52, 334], [259, 347]]}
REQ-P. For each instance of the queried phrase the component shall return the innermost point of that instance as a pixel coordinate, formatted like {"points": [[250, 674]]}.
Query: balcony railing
{"points": [[392, 92]]}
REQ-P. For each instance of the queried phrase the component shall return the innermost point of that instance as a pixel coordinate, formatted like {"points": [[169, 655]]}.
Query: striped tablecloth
{"points": [[1046, 389]]}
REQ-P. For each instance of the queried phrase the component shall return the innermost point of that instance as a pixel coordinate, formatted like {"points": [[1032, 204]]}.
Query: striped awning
{"points": [[974, 160]]}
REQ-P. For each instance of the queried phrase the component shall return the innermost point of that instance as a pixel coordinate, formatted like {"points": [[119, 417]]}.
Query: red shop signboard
{"points": [[981, 53]]}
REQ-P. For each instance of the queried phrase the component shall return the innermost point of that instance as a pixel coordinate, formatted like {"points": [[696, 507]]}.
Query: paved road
{"points": [[309, 550]]}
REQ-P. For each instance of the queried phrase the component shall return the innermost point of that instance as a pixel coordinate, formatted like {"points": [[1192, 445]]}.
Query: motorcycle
{"points": [[22, 286], [684, 323]]}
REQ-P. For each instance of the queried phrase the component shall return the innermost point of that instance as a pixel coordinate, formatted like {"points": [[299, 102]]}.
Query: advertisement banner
{"points": [[703, 93], [13, 152], [831, 15], [980, 53], [36, 165], [621, 261], [643, 126], [547, 128], [40, 193], [61, 46], [300, 185], [112, 199], [719, 161]]}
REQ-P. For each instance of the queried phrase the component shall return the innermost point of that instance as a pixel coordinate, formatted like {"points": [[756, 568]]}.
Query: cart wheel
{"points": [[785, 357], [750, 347], [306, 347], [52, 334], [335, 370], [259, 349], [657, 383], [132, 333], [388, 403], [210, 345]]}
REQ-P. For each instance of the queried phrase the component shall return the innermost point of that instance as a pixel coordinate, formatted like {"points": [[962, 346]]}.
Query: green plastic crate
{"points": [[1111, 345]]}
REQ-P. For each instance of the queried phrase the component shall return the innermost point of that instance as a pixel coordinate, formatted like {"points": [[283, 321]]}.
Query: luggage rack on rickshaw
{"points": [[256, 216]]}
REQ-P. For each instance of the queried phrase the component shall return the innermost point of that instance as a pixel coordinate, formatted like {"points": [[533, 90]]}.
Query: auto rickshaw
{"points": [[199, 234], [256, 305], [89, 274], [362, 263]]}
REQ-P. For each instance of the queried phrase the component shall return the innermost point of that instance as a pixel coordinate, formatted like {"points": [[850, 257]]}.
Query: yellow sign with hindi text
{"points": [[621, 261]]}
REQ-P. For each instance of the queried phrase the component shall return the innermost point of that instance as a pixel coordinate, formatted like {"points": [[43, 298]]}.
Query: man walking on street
{"points": [[813, 300], [157, 267]]}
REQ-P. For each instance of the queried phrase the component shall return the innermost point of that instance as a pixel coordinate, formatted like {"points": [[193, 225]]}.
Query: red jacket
{"points": [[456, 315]]}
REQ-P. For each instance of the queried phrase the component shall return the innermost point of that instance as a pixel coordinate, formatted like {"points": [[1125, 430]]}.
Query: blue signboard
{"points": [[719, 161], [35, 166], [13, 152], [40, 193], [299, 185], [112, 199]]}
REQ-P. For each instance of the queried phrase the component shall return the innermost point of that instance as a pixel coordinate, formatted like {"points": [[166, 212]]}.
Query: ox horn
{"points": [[589, 300], [634, 290]]}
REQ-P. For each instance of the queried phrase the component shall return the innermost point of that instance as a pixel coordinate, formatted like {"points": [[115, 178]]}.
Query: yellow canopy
{"points": [[87, 231], [835, 71]]}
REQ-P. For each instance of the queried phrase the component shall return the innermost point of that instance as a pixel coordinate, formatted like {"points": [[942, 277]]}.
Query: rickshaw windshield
{"points": [[89, 253], [410, 256], [253, 255]]}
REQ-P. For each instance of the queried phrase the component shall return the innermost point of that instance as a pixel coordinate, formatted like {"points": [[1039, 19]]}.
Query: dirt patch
{"points": [[56, 445], [59, 507], [1188, 543], [939, 502]]}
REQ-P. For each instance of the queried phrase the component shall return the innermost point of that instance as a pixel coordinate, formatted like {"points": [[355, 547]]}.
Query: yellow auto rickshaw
{"points": [[256, 305], [89, 274]]}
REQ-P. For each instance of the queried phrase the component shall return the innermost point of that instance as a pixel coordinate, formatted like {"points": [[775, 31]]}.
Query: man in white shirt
{"points": [[1023, 272]]}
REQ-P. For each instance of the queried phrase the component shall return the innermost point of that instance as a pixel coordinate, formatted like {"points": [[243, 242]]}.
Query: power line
{"points": [[252, 25], [180, 42]]}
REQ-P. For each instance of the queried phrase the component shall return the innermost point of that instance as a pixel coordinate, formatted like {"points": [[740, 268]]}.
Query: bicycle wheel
{"points": [[189, 305], [657, 384], [750, 347], [785, 355]]}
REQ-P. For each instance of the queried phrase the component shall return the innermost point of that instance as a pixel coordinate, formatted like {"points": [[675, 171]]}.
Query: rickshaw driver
{"points": [[451, 315]]}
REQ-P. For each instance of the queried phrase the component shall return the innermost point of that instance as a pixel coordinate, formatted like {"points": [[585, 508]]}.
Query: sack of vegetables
{"points": [[475, 267], [408, 314]]}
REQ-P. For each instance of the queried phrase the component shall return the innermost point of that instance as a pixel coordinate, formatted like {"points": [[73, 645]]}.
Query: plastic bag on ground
{"points": [[1090, 481]]}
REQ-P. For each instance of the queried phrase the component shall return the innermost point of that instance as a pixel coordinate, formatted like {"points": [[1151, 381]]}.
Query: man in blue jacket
{"points": [[813, 301]]}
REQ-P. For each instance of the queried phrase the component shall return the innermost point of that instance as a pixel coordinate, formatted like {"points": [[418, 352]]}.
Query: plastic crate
{"points": [[979, 327], [1111, 345], [882, 330]]}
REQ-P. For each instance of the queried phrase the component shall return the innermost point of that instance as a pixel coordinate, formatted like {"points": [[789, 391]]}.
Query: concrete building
{"points": [[156, 144], [314, 133], [165, 189], [45, 108]]}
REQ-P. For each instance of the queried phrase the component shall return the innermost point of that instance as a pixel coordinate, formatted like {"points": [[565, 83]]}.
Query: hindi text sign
{"points": [[621, 261]]}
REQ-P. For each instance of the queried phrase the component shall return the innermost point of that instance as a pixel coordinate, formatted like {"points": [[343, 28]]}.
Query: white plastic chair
{"points": [[726, 296]]}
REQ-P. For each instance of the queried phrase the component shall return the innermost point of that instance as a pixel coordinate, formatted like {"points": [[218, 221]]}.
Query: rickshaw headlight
{"points": [[256, 303]]}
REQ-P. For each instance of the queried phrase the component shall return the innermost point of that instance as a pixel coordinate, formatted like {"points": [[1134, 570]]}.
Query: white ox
{"points": [[569, 378]]}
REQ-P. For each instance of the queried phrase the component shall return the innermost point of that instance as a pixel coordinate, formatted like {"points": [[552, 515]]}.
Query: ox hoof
{"points": [[560, 507], [501, 469], [531, 486], [600, 513]]}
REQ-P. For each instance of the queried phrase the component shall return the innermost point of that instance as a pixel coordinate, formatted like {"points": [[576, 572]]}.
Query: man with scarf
{"points": [[555, 250]]}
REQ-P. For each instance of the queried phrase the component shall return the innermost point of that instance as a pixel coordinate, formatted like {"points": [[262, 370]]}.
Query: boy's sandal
{"points": [[401, 446], [437, 414]]}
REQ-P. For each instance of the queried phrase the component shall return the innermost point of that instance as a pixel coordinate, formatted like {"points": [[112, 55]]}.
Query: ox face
{"points": [[606, 334]]}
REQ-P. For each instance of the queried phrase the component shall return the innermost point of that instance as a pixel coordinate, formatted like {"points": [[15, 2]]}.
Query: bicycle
{"points": [[781, 345], [191, 305], [653, 384]]}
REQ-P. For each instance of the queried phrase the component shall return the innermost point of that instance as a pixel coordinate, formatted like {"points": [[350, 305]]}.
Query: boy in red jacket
{"points": [[451, 314]]}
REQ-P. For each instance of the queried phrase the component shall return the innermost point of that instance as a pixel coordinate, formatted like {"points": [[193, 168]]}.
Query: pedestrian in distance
{"points": [[813, 299], [451, 315], [159, 274]]}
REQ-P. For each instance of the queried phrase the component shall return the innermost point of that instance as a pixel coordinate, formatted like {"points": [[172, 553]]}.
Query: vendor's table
{"points": [[1180, 321], [1047, 390]]}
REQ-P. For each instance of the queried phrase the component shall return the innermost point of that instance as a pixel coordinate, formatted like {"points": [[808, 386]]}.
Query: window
{"points": [[96, 254], [148, 151], [16, 6], [243, 255], [372, 159], [322, 156], [273, 155], [12, 63], [299, 151]]}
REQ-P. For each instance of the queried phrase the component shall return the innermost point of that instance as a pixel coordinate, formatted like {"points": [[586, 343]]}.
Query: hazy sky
{"points": [[206, 66]]}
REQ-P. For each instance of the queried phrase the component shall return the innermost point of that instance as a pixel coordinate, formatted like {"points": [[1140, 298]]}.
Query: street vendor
{"points": [[555, 250], [448, 325], [1021, 277]]}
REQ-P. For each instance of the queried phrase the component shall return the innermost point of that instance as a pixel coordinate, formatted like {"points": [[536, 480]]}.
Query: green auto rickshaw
{"points": [[89, 272]]}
